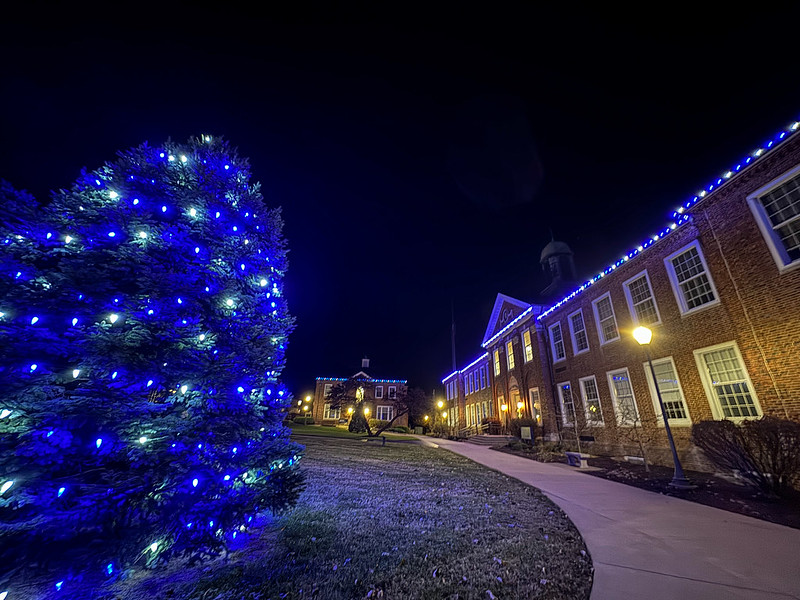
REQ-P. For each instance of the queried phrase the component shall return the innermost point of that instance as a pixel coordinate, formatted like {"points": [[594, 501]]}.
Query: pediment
{"points": [[505, 310]]}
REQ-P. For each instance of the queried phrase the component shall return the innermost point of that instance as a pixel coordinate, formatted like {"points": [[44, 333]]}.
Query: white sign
{"points": [[525, 432]]}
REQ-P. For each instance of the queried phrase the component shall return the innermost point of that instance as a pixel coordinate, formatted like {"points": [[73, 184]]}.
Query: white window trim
{"points": [[378, 388], [563, 408], [687, 422], [716, 409], [392, 392], [525, 358], [621, 421], [629, 298], [597, 319], [553, 344], [327, 410], [676, 288], [326, 390], [777, 250], [590, 422], [388, 408], [572, 333], [534, 397]]}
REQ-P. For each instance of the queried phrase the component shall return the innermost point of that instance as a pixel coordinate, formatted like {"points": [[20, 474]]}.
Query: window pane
{"points": [[623, 395], [558, 342], [692, 279], [730, 383], [567, 403], [579, 332], [642, 299], [608, 324], [671, 395], [591, 399]]}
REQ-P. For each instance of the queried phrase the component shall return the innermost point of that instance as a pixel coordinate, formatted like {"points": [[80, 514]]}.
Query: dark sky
{"points": [[420, 162]]}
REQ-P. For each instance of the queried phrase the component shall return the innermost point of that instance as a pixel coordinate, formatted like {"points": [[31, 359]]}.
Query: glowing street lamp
{"points": [[504, 408], [520, 406], [643, 336], [366, 411]]}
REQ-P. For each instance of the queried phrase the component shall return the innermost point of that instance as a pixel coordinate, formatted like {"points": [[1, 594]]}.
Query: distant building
{"points": [[719, 287], [378, 396]]}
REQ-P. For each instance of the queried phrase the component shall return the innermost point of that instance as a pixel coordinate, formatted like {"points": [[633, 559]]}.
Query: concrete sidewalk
{"points": [[646, 545]]}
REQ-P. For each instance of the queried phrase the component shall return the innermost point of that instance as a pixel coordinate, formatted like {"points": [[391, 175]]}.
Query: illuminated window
{"points": [[557, 343], [497, 362], [567, 403], [591, 401], [606, 320], [535, 404], [619, 384], [384, 413], [327, 392], [331, 413], [727, 384], [379, 391], [671, 392], [777, 212], [641, 301], [690, 279], [510, 354], [577, 329], [526, 344]]}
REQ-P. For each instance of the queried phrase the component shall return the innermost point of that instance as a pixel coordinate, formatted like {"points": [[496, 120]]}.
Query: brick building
{"points": [[719, 287], [378, 397]]}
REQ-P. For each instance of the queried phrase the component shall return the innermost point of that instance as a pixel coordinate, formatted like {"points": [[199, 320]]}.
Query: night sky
{"points": [[419, 166]]}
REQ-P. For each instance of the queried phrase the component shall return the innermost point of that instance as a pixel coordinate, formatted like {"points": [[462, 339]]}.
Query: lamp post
{"points": [[504, 408], [643, 335], [520, 406]]}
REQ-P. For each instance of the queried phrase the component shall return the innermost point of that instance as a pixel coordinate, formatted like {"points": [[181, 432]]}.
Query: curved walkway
{"points": [[646, 545]]}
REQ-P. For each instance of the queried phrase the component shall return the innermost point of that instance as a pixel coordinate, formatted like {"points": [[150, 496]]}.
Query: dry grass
{"points": [[399, 521]]}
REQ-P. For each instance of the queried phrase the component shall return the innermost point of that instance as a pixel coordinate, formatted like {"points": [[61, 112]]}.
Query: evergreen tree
{"points": [[143, 329]]}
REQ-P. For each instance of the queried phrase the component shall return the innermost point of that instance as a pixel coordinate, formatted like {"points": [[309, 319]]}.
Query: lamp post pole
{"points": [[679, 480]]}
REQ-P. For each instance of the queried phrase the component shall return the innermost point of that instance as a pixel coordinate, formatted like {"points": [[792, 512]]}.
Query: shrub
{"points": [[358, 423], [377, 423], [400, 429], [304, 420], [765, 453]]}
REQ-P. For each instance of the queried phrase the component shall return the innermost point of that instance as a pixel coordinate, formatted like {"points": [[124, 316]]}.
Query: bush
{"points": [[440, 429], [358, 423], [304, 420], [516, 424], [765, 453], [400, 429], [377, 424]]}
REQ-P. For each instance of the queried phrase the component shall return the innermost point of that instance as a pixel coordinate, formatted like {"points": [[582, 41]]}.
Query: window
{"points": [[690, 278], [379, 391], [483, 377], [526, 344], [606, 321], [510, 354], [641, 301], [392, 392], [497, 362], [535, 404], [557, 343], [471, 382], [567, 403], [577, 328], [727, 383], [619, 383], [591, 401], [327, 392], [777, 213], [384, 413], [331, 413], [671, 392]]}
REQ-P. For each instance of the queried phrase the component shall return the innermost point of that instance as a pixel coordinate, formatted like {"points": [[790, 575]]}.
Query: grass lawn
{"points": [[400, 521]]}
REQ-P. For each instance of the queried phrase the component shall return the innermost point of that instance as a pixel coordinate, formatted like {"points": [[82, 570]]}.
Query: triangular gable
{"points": [[360, 375], [505, 310]]}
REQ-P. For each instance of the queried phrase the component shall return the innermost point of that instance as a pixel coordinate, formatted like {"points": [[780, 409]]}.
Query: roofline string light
{"points": [[484, 356]]}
